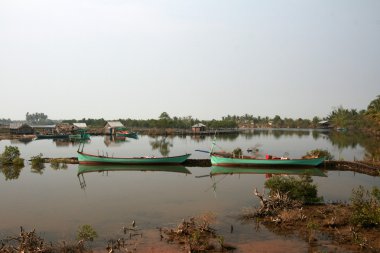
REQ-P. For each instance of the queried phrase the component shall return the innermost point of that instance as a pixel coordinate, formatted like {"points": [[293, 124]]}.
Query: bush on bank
{"points": [[11, 156], [300, 189], [366, 207]]}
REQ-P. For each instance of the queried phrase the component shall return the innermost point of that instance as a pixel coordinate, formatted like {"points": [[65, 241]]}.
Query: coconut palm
{"points": [[374, 106]]}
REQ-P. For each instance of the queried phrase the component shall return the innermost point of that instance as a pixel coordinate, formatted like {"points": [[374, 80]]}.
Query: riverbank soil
{"points": [[310, 228], [318, 223], [321, 228]]}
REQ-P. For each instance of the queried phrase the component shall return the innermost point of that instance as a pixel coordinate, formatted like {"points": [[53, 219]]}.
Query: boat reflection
{"points": [[69, 142], [220, 170], [114, 141], [268, 172], [105, 169]]}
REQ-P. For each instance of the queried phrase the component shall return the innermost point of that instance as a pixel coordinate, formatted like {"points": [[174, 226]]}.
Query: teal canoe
{"points": [[82, 168], [220, 170], [127, 134], [84, 158], [246, 161]]}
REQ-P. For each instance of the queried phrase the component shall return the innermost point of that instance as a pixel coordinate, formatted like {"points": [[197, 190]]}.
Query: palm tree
{"points": [[374, 106]]}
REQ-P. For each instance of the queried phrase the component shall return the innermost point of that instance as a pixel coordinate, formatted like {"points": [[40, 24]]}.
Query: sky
{"points": [[111, 59]]}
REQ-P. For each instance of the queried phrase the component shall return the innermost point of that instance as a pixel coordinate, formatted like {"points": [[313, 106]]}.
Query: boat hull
{"points": [[94, 159], [247, 162], [130, 135]]}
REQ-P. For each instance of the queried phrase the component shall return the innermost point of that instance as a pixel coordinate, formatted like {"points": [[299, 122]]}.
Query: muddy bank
{"points": [[317, 223], [314, 228]]}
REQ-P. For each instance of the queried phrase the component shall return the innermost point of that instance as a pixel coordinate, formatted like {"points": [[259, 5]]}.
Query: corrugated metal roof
{"points": [[114, 124], [80, 125], [43, 126], [199, 125], [17, 125]]}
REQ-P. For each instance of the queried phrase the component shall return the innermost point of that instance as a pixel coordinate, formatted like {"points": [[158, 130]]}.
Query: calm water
{"points": [[56, 202]]}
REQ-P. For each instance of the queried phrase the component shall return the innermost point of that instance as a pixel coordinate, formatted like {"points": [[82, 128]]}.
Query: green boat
{"points": [[219, 159], [127, 134], [105, 168], [229, 159], [220, 170], [84, 158]]}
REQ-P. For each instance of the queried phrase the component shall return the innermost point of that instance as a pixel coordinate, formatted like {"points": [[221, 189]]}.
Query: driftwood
{"points": [[32, 243], [122, 244], [274, 204], [196, 235]]}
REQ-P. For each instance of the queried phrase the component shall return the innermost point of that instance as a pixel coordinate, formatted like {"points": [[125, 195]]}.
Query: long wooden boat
{"points": [[221, 170], [84, 158], [219, 159], [83, 168]]}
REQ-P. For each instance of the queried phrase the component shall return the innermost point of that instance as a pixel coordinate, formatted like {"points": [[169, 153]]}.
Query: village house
{"points": [[20, 128], [44, 129], [79, 126], [324, 124], [112, 126], [4, 128], [63, 128], [199, 127]]}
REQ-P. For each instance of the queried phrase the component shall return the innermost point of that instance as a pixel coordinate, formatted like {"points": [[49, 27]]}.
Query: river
{"points": [[56, 201]]}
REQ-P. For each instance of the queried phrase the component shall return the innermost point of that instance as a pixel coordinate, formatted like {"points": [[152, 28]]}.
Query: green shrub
{"points": [[87, 233], [37, 161], [320, 153], [366, 207], [300, 189], [10, 154]]}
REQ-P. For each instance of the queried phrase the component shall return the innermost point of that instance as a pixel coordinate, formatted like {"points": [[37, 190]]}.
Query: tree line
{"points": [[340, 117]]}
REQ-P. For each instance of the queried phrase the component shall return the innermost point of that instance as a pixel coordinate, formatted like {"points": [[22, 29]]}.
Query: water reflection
{"points": [[11, 172], [348, 139], [197, 138], [114, 141], [343, 145], [37, 168], [68, 142], [105, 169], [162, 144], [228, 137], [220, 170], [220, 173], [55, 165], [277, 133], [23, 140]]}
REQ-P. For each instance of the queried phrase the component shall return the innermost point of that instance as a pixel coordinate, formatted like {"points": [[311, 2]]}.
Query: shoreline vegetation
{"points": [[366, 121]]}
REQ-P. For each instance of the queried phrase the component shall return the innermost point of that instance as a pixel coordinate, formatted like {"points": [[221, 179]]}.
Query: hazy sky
{"points": [[137, 59]]}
